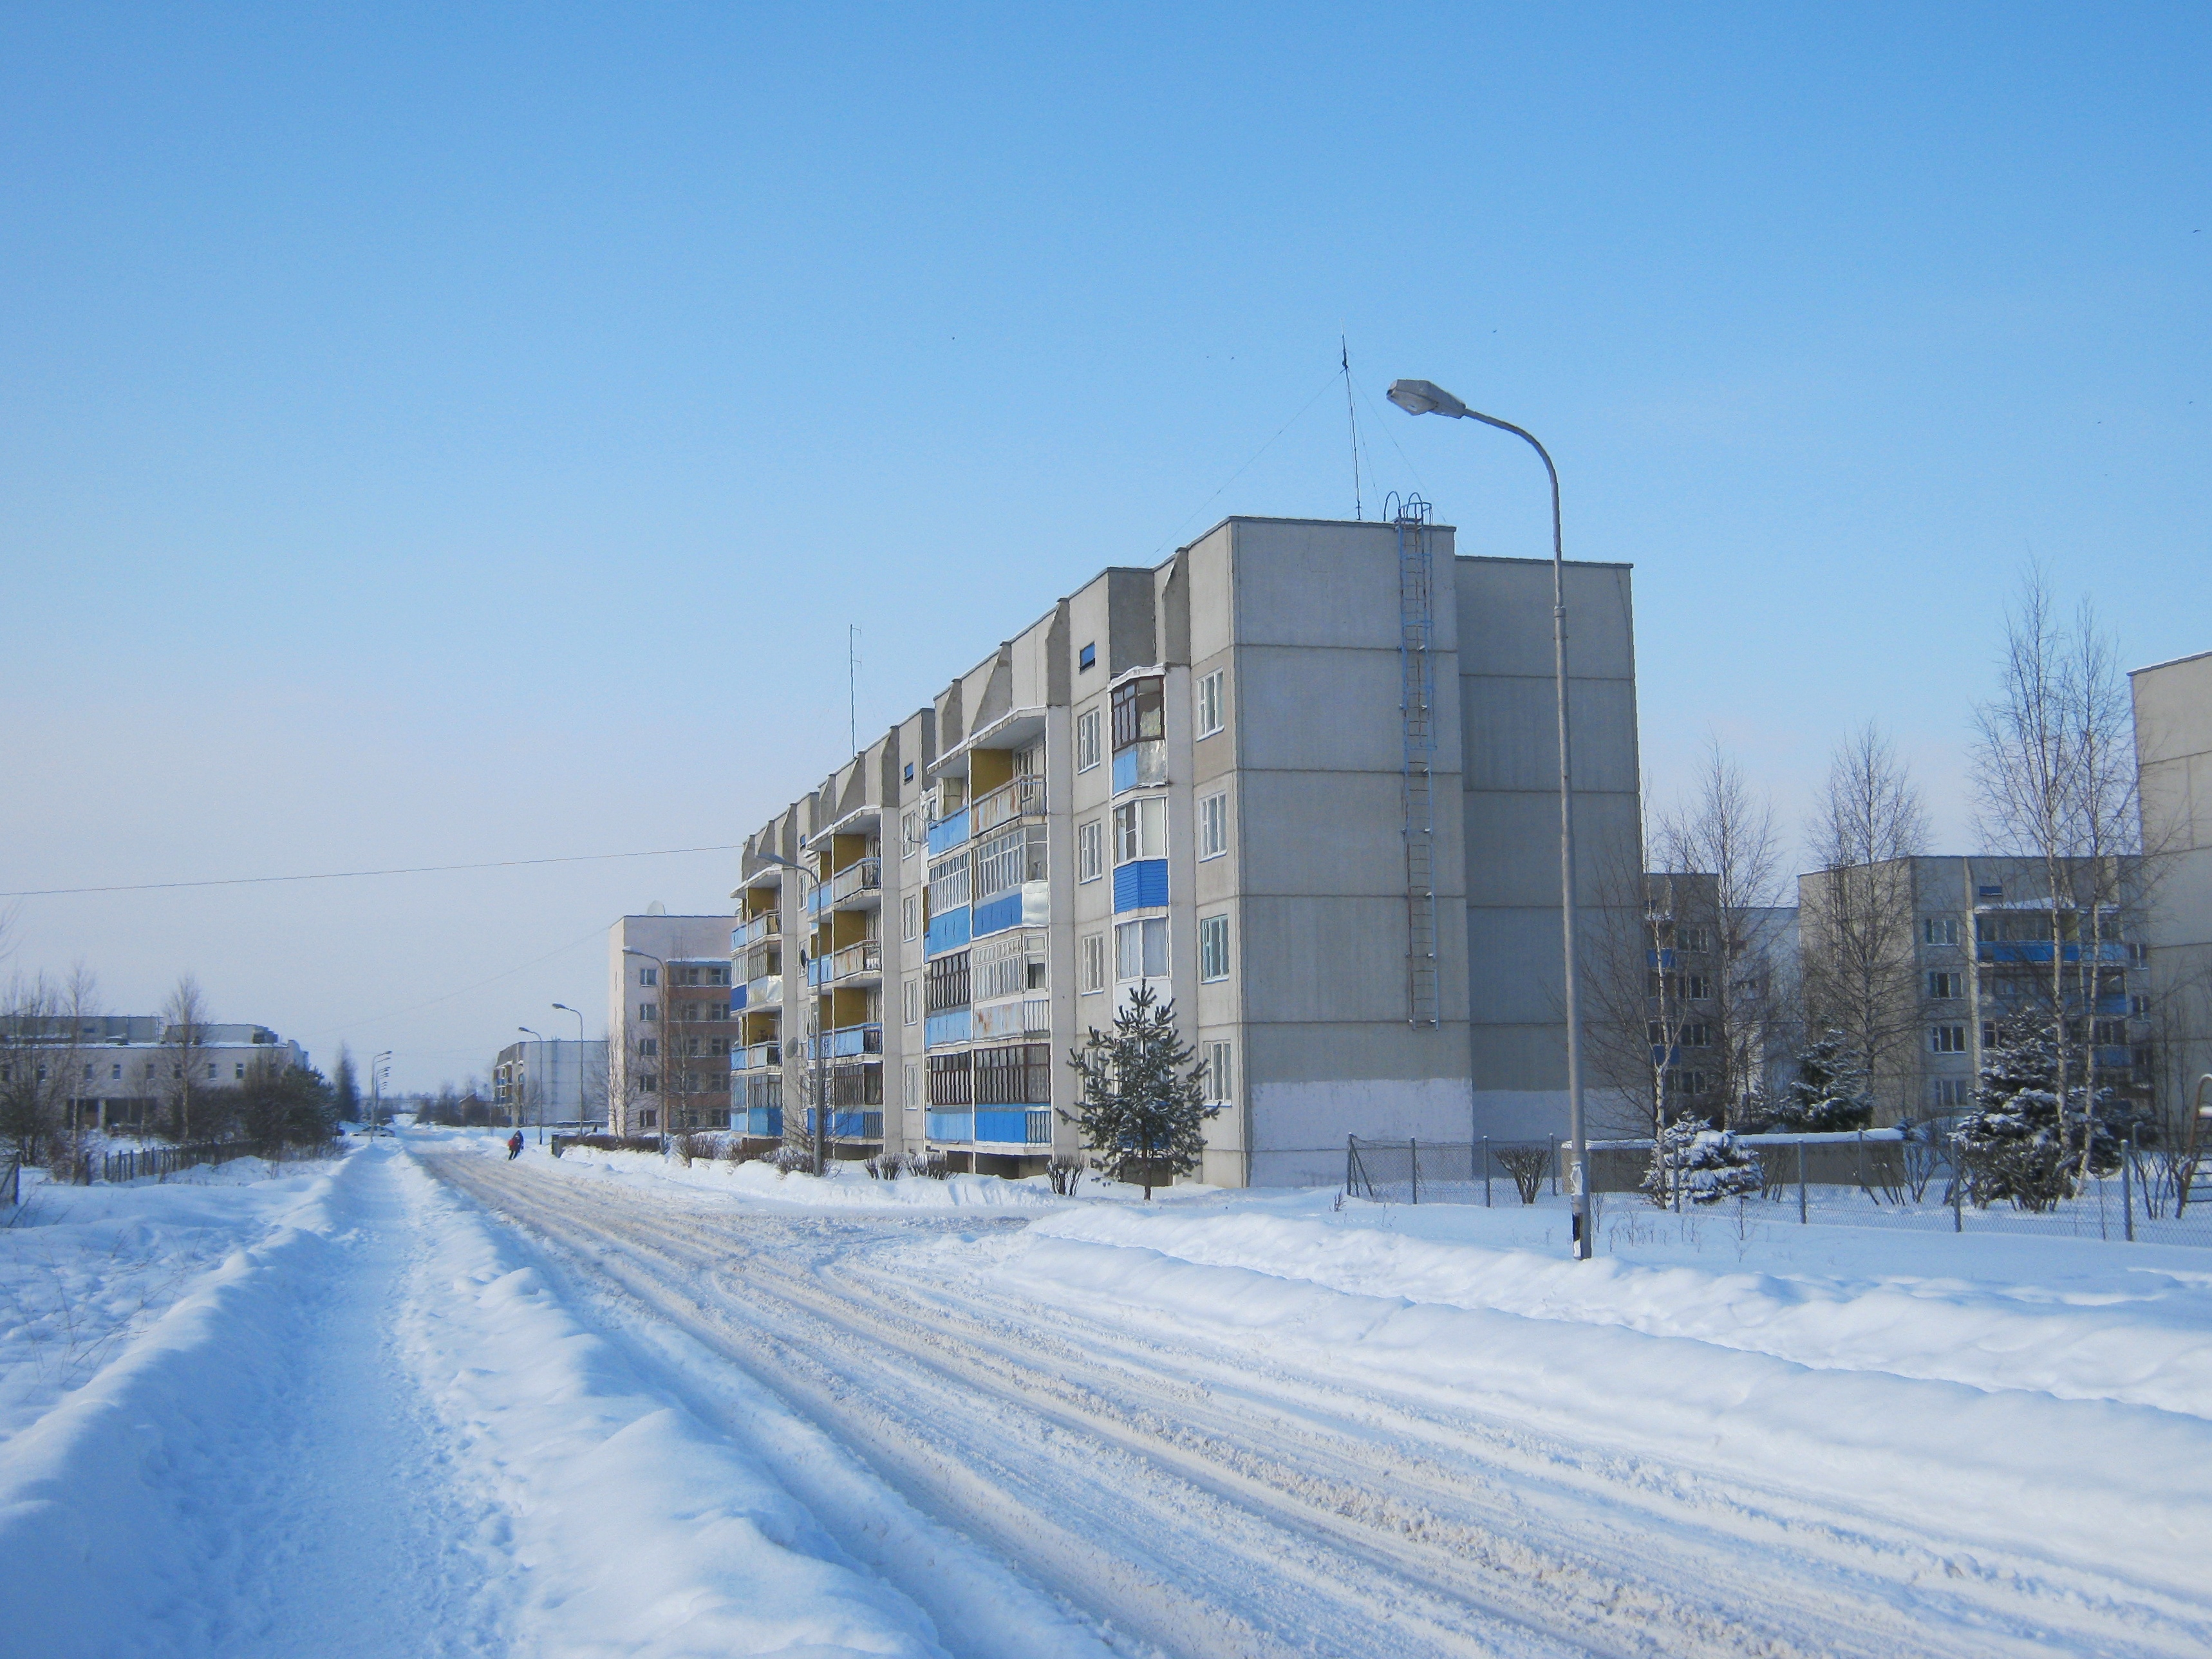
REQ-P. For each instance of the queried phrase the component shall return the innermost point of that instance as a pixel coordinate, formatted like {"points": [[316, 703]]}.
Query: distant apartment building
{"points": [[2173, 753], [669, 1024], [1953, 944], [553, 1080], [1300, 778], [120, 1069]]}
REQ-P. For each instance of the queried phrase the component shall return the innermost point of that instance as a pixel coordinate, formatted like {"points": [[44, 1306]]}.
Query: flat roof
{"points": [[2171, 662]]}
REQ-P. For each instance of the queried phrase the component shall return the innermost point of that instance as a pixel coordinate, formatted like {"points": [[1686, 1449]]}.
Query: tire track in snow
{"points": [[1422, 1554]]}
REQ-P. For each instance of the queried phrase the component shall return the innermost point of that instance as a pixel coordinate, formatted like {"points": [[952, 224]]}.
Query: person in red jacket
{"points": [[514, 1146]]}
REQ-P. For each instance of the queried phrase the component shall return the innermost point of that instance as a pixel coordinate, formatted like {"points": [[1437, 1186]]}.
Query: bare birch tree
{"points": [[185, 1037], [1858, 963]]}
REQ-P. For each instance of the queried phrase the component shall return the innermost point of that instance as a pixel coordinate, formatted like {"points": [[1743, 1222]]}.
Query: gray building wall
{"points": [[2173, 753]]}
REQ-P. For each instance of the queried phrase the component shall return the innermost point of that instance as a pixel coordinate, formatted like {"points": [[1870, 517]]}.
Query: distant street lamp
{"points": [[581, 1067], [1426, 398], [377, 1068]]}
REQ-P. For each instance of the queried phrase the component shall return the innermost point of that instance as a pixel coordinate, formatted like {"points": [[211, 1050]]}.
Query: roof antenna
{"points": [[853, 683], [1352, 415]]}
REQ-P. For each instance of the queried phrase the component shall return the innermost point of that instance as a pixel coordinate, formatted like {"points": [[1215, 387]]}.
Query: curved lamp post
{"points": [[581, 1067], [1426, 398]]}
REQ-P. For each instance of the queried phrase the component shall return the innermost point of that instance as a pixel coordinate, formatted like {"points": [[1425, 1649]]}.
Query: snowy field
{"points": [[422, 1400]]}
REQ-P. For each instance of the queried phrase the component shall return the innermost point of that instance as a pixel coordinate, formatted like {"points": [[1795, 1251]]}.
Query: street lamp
{"points": [[813, 1035], [566, 1009], [540, 1093], [1426, 398], [376, 1071], [658, 1001]]}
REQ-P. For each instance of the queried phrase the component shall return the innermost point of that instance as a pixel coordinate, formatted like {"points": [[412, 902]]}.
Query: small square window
{"points": [[648, 976], [1086, 658], [1951, 1092], [909, 772], [1210, 720], [1944, 987], [1947, 1039], [1213, 947], [1939, 930], [1213, 826], [648, 1012]]}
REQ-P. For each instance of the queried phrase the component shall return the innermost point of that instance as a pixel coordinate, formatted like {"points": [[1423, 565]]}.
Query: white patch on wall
{"points": [[1298, 1129]]}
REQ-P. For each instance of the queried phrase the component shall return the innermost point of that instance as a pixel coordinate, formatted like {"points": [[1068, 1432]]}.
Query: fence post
{"points": [[1958, 1187], [1485, 1172], [2128, 1184], [1351, 1153], [1802, 1216], [1414, 1160]]}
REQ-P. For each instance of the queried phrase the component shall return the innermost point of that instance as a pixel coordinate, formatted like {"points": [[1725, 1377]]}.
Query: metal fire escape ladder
{"points": [[1417, 709]]}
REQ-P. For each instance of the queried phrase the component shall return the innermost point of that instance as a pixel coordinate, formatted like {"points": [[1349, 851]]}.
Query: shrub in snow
{"points": [[790, 1160], [1702, 1165], [883, 1166], [1143, 1109], [1066, 1174], [2017, 1144], [1528, 1165], [935, 1166], [1827, 1097]]}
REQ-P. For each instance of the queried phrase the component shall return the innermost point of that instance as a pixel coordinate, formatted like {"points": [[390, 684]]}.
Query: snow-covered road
{"points": [[422, 1401], [1072, 1460]]}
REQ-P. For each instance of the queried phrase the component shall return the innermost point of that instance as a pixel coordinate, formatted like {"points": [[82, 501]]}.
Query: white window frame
{"points": [[1093, 949], [1209, 703], [910, 999], [1148, 932], [1220, 1073], [1090, 850], [1090, 739], [1947, 1039], [1213, 948], [1213, 826], [648, 1012], [648, 976], [1140, 829], [911, 917]]}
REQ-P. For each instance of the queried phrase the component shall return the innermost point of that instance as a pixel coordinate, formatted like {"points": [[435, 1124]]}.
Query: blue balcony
{"points": [[1142, 885], [947, 932], [995, 915], [1013, 1126], [2034, 950], [953, 1124], [849, 1042], [2115, 1060], [737, 998], [850, 1126], [761, 1121], [1659, 959], [1142, 765], [946, 834], [953, 1025]]}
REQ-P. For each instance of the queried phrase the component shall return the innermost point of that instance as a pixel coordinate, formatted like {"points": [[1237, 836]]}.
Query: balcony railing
{"points": [[863, 879], [1029, 1017], [767, 925], [1022, 798], [1140, 765], [760, 1054], [851, 963], [1012, 1126], [766, 992], [952, 1124], [849, 1042], [948, 832], [850, 1126]]}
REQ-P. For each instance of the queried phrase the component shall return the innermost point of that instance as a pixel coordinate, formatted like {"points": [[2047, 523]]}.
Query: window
{"points": [[1945, 987], [649, 1117], [1008, 965], [1006, 861], [648, 1012], [1939, 930], [1213, 947], [1686, 1083], [911, 1005], [1086, 658], [1094, 962], [1213, 825], [1086, 739], [718, 976], [1209, 703], [1694, 939], [1140, 829], [687, 977], [115, 1073], [1090, 850], [948, 884], [910, 916], [1947, 1039], [2138, 1004], [2106, 1033], [1701, 987], [913, 834], [649, 1048], [909, 775], [1140, 710], [1951, 1092], [210, 1071], [648, 976], [945, 983], [1989, 1034], [1140, 949], [1698, 1035], [238, 1072], [1220, 1077]]}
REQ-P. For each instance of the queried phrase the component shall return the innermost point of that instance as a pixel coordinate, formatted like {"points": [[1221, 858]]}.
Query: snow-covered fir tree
{"points": [[2016, 1144], [1143, 1109], [1702, 1165], [1827, 1095]]}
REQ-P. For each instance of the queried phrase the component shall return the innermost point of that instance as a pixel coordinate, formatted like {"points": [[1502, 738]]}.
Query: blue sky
{"points": [[433, 435]]}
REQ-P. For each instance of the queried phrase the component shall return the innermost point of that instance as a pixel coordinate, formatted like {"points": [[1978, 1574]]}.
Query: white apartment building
{"points": [[669, 1029], [119, 1068], [1301, 778], [552, 1080], [2174, 756]]}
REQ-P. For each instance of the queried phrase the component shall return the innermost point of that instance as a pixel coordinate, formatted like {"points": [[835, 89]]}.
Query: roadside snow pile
{"points": [[2080, 1321], [84, 1268], [648, 1534], [1600, 1357]]}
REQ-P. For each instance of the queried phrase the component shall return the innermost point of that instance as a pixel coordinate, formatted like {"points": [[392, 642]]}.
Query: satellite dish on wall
{"points": [[656, 908]]}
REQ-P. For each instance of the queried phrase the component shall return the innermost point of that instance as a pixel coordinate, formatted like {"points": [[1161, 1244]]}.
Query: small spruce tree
{"points": [[345, 1090], [2016, 1143], [1143, 1109], [1703, 1164], [1828, 1095]]}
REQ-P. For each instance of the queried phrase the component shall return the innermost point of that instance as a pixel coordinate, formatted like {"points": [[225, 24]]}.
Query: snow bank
{"points": [[643, 1533], [2105, 1481], [2077, 1321]]}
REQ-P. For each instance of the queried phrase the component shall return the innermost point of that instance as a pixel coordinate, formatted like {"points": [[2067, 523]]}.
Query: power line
{"points": [[1256, 454], [417, 1007], [350, 875]]}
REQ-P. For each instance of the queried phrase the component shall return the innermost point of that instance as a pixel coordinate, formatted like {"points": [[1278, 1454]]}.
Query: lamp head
{"points": [[1426, 397]]}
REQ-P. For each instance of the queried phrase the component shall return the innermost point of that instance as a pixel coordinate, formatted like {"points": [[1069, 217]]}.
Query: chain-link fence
{"points": [[1879, 1178]]}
